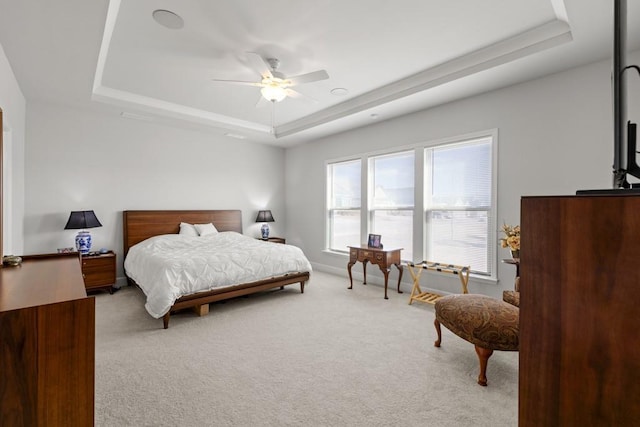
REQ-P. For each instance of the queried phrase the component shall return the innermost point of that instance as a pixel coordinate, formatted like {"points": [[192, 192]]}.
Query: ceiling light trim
{"points": [[107, 35], [122, 98], [107, 95], [526, 43], [545, 36], [560, 10]]}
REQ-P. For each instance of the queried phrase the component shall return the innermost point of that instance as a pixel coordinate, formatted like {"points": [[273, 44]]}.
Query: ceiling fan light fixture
{"points": [[273, 93]]}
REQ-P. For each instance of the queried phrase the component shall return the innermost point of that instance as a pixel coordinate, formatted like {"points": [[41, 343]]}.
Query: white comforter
{"points": [[170, 266]]}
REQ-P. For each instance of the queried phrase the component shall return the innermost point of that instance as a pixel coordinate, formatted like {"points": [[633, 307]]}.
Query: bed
{"points": [[145, 227]]}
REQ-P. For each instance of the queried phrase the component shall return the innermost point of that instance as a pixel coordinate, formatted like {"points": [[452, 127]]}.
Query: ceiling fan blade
{"points": [[239, 82], [259, 64], [309, 77], [301, 96]]}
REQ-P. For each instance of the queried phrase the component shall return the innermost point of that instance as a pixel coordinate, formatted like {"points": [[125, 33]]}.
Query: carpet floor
{"points": [[328, 357]]}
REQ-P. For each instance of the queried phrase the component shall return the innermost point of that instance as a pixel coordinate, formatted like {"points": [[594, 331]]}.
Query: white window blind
{"points": [[393, 183], [459, 204], [344, 202]]}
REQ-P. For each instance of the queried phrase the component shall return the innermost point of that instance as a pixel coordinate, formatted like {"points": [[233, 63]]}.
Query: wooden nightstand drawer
{"points": [[99, 271], [277, 240], [274, 240]]}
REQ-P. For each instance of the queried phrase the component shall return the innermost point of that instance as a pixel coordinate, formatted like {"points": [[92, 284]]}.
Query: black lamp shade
{"points": [[264, 216], [79, 220]]}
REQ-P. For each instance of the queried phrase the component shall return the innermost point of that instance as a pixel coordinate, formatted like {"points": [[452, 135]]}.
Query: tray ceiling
{"points": [[391, 57]]}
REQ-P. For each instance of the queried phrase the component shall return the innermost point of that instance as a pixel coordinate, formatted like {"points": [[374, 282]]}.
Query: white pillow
{"points": [[188, 229], [205, 229]]}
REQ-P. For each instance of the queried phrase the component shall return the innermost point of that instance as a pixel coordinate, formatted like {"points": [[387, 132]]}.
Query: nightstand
{"points": [[99, 271], [274, 240]]}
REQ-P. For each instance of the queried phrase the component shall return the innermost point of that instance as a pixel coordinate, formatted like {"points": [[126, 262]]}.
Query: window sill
{"points": [[336, 253]]}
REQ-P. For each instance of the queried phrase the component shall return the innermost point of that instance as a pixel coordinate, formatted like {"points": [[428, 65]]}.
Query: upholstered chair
{"points": [[488, 323], [513, 297]]}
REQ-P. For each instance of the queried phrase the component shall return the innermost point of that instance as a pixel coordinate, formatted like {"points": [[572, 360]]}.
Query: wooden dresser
{"points": [[579, 311], [47, 330]]}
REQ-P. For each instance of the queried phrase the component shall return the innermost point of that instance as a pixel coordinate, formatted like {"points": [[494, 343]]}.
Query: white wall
{"points": [[13, 106], [555, 137], [77, 160]]}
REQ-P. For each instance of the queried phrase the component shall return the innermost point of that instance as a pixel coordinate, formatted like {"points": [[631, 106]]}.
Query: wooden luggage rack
{"points": [[416, 271]]}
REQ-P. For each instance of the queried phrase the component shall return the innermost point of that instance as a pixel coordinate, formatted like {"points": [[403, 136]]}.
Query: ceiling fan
{"points": [[274, 85]]}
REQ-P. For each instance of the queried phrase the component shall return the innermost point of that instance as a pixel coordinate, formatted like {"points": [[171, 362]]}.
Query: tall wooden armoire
{"points": [[580, 311]]}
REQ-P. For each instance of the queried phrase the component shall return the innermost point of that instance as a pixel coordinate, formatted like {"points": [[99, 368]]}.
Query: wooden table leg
{"points": [[349, 270], [364, 271], [385, 271], [483, 355], [400, 270]]}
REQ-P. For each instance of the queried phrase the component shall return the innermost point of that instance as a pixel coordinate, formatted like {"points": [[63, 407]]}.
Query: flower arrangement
{"points": [[512, 237]]}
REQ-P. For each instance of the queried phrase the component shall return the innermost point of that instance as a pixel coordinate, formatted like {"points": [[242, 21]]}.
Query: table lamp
{"points": [[264, 216], [81, 220]]}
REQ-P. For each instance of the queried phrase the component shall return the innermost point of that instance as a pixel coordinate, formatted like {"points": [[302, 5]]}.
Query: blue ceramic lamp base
{"points": [[265, 231], [83, 242]]}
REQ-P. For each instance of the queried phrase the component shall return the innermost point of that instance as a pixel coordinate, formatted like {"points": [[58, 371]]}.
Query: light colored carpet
{"points": [[328, 357]]}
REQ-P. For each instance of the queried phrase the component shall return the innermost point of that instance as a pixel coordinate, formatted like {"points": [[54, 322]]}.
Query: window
{"points": [[344, 200], [393, 185], [437, 202], [458, 204]]}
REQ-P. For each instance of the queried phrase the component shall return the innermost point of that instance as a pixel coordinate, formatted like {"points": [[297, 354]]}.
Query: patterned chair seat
{"points": [[512, 297], [488, 323]]}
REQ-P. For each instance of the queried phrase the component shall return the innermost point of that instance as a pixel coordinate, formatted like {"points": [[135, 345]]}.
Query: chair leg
{"points": [[483, 355], [436, 323]]}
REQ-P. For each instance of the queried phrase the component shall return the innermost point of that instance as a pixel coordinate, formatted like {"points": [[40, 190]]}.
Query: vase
{"points": [[265, 231], [83, 242], [515, 254]]}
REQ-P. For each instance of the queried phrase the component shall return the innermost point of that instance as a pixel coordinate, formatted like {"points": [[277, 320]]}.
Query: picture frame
{"points": [[374, 241]]}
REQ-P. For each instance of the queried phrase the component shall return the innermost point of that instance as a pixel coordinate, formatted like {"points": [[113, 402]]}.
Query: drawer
{"points": [[99, 263], [99, 271], [99, 279]]}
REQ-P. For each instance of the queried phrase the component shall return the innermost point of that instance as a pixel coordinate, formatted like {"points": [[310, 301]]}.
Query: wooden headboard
{"points": [[140, 225]]}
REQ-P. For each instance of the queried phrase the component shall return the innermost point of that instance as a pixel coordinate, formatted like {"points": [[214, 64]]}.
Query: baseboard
{"points": [[373, 278], [120, 282]]}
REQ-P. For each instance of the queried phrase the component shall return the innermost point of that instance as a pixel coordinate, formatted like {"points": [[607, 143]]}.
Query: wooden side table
{"points": [[383, 258], [274, 240], [99, 271], [513, 261]]}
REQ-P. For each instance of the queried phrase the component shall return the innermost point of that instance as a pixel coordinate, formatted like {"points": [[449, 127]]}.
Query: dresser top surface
{"points": [[41, 281]]}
